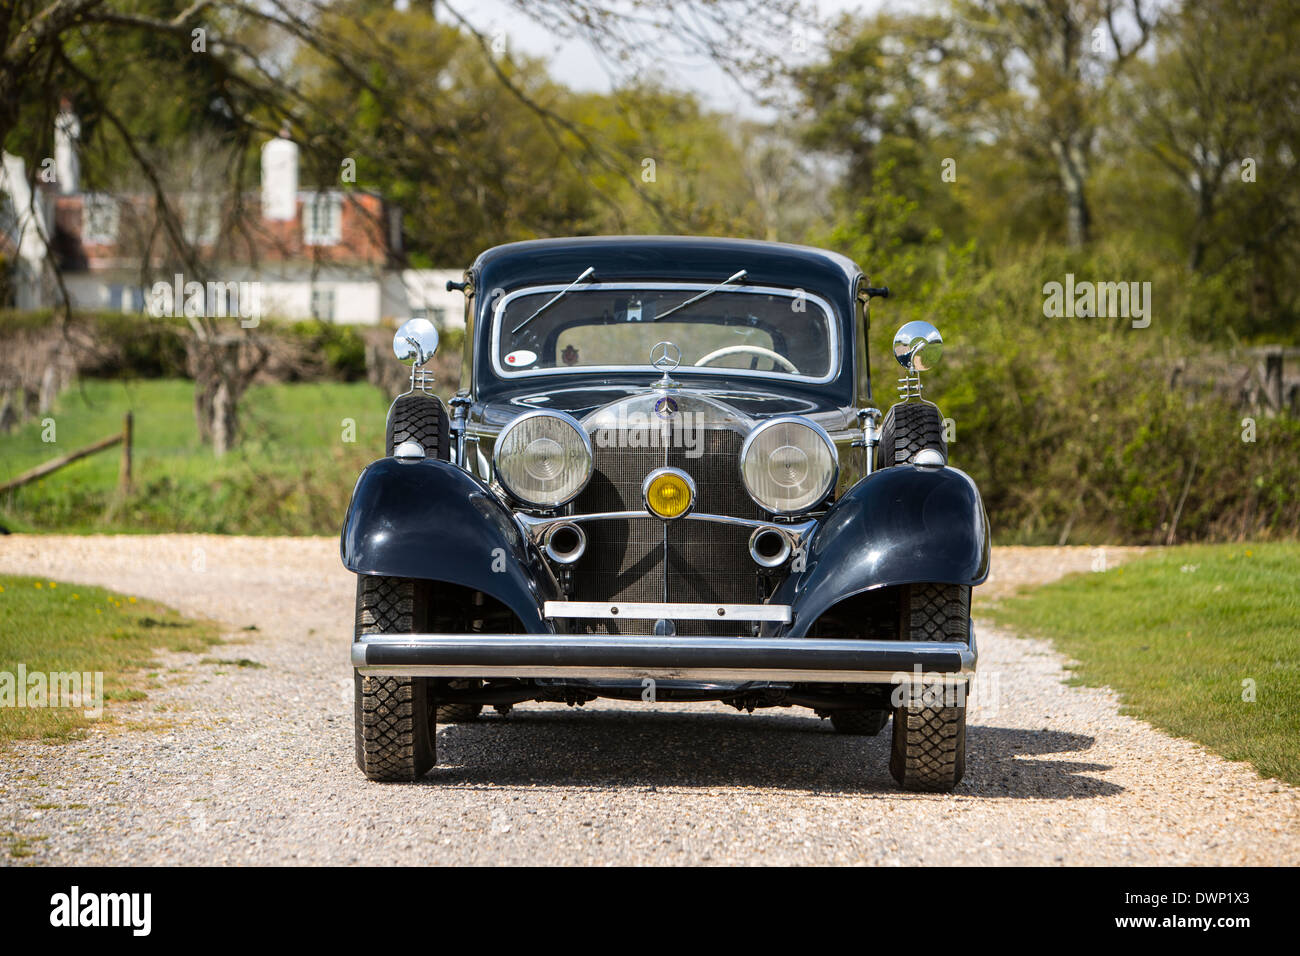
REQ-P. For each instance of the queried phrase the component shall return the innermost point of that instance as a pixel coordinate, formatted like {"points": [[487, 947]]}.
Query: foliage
{"points": [[1073, 428], [119, 345], [1187, 151]]}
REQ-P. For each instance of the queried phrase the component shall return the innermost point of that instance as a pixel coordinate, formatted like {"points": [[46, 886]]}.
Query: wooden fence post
{"points": [[124, 476], [1273, 380]]}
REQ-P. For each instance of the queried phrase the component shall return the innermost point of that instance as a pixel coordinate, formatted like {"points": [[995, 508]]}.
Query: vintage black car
{"points": [[661, 480]]}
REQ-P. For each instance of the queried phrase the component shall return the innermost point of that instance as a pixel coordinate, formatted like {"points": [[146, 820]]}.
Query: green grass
{"points": [[1185, 636], [51, 627], [291, 474]]}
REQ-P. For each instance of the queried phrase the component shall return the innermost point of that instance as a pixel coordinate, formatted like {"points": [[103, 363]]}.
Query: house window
{"points": [[322, 304], [202, 219], [322, 219], [99, 220]]}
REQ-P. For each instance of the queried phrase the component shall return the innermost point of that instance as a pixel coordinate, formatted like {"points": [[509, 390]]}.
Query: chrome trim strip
{"points": [[916, 663], [653, 611]]}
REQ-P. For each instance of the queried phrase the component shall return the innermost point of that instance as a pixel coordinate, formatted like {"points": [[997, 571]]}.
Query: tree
{"points": [[1030, 79], [229, 65], [1067, 56], [1216, 110]]}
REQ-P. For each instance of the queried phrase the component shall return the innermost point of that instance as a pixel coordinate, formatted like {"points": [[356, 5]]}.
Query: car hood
{"points": [[599, 406]]}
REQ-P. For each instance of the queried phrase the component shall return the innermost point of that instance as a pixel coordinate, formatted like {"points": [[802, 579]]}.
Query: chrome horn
{"points": [[769, 547], [565, 543]]}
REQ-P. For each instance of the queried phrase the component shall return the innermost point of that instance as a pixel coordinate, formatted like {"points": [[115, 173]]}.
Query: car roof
{"points": [[695, 258]]}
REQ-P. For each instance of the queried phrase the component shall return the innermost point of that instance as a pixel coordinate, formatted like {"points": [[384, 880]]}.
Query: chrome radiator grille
{"points": [[707, 562]]}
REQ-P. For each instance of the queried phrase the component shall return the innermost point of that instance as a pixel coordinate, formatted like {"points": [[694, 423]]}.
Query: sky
{"points": [[575, 65]]}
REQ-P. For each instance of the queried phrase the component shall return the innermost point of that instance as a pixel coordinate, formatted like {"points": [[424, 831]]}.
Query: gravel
{"points": [[254, 766]]}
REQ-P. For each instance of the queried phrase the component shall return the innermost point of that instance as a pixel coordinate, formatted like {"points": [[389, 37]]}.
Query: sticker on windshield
{"points": [[521, 358]]}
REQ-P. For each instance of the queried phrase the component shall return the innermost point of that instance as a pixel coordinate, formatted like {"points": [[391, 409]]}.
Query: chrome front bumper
{"points": [[819, 660]]}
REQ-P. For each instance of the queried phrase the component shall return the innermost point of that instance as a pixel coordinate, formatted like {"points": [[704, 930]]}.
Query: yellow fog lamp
{"points": [[668, 493]]}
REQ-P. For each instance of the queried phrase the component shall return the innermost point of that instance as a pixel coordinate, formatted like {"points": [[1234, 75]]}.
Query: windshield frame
{"points": [[688, 288]]}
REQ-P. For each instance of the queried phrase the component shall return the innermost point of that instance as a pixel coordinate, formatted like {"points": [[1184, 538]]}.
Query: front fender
{"points": [[431, 519], [900, 525]]}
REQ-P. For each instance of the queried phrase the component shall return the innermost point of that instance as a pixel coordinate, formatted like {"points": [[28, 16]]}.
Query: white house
{"points": [[332, 254]]}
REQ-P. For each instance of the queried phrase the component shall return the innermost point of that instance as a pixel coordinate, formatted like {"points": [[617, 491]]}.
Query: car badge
{"points": [[666, 407], [665, 356]]}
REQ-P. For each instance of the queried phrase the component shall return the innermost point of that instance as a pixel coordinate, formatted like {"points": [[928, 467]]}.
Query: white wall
{"points": [[412, 290], [30, 216]]}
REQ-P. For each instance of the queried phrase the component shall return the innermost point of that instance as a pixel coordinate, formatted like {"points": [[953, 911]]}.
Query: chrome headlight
{"points": [[788, 465], [543, 458]]}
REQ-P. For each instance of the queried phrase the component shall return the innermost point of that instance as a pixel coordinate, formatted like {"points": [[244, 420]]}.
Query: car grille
{"points": [[707, 562]]}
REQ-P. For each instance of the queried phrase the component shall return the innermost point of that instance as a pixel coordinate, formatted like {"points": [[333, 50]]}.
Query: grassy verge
{"points": [[1202, 641], [52, 628], [303, 446]]}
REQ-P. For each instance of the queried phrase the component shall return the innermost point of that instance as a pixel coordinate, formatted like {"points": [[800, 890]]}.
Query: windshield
{"points": [[749, 329]]}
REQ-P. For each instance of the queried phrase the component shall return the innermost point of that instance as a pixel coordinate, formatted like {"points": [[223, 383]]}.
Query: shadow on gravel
{"points": [[618, 750], [994, 767]]}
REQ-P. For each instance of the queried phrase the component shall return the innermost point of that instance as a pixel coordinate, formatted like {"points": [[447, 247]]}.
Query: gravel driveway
{"points": [[255, 766]]}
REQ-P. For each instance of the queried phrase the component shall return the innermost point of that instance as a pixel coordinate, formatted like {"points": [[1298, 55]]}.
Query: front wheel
{"points": [[393, 718], [929, 744]]}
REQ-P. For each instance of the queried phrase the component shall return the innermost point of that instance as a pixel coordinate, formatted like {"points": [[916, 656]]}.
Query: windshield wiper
{"points": [[554, 299], [691, 301]]}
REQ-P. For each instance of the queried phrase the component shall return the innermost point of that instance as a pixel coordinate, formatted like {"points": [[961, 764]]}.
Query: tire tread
{"points": [[928, 751], [422, 418], [394, 737], [910, 427]]}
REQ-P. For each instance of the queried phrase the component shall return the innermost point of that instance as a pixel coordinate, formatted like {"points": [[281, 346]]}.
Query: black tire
{"points": [[860, 723], [419, 417], [460, 713], [393, 718], [907, 429], [929, 744]]}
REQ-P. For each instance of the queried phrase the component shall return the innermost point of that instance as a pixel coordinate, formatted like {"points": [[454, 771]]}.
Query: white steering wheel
{"points": [[758, 350]]}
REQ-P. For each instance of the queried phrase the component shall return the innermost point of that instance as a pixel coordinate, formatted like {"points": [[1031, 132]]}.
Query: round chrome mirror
{"points": [[416, 340], [918, 346]]}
